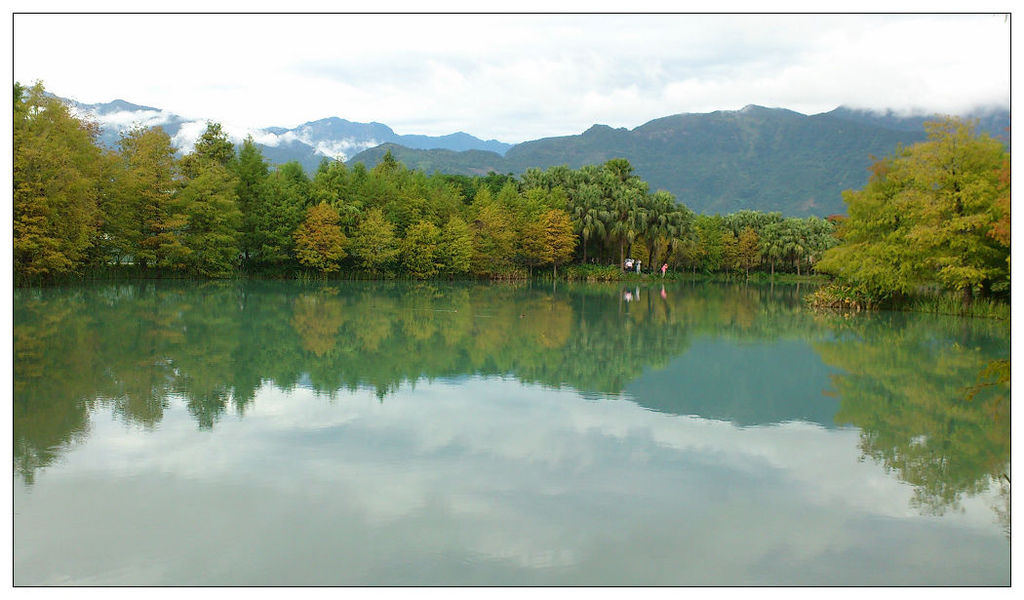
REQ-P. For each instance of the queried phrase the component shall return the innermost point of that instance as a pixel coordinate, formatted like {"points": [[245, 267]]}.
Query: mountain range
{"points": [[308, 143], [758, 158]]}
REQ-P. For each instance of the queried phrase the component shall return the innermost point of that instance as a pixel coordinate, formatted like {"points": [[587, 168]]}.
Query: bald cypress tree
{"points": [[926, 217], [60, 175]]}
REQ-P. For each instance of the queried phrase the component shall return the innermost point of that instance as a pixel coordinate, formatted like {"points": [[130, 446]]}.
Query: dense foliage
{"points": [[220, 210], [935, 215]]}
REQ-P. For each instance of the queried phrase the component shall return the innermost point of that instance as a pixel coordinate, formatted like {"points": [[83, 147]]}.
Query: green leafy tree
{"points": [[730, 251], [212, 148], [373, 243], [388, 166], [319, 241], [455, 247], [139, 216], [334, 184], [709, 237], [493, 235], [279, 209], [209, 241], [586, 212], [251, 170], [771, 245], [957, 184], [420, 249], [925, 217]]}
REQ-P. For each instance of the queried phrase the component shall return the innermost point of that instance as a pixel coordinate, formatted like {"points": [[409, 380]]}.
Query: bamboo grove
{"points": [[220, 211]]}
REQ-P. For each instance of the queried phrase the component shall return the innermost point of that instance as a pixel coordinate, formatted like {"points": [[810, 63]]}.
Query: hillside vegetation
{"points": [[757, 158]]}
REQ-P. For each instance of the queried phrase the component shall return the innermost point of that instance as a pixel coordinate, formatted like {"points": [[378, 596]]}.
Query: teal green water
{"points": [[357, 433]]}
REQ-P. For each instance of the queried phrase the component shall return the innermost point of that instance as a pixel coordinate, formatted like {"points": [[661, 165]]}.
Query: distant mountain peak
{"points": [[598, 128]]}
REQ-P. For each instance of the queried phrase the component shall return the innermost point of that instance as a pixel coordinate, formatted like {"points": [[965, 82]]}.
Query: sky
{"points": [[513, 77]]}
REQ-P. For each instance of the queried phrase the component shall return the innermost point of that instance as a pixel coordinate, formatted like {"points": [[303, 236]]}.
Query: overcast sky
{"points": [[514, 77]]}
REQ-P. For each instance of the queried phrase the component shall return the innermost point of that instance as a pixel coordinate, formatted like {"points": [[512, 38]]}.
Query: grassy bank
{"points": [[834, 296]]}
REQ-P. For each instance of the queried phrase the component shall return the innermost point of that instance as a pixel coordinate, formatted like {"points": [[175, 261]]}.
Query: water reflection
{"points": [[747, 355], [930, 403]]}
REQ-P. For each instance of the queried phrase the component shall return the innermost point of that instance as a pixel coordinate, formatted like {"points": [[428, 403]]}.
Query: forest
{"points": [[933, 217], [221, 211]]}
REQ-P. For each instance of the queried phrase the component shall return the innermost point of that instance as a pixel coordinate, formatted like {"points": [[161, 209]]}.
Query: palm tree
{"points": [[772, 243], [586, 213]]}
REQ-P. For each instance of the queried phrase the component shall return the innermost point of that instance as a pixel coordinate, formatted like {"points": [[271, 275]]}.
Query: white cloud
{"points": [[187, 135], [343, 149], [261, 136], [122, 120], [517, 77]]}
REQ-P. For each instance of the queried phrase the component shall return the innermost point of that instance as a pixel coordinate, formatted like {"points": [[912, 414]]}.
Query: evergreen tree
{"points": [[212, 148], [209, 240], [278, 211], [251, 170]]}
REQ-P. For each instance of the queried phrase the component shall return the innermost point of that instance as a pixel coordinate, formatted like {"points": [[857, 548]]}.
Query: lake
{"points": [[393, 433]]}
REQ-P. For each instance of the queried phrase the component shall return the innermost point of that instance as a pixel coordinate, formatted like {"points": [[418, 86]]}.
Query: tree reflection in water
{"points": [[909, 382], [931, 404]]}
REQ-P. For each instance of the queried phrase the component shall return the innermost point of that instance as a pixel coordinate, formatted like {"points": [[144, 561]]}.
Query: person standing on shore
{"points": [[664, 267]]}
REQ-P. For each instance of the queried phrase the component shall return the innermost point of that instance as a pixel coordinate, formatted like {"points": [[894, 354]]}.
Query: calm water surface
{"points": [[366, 433]]}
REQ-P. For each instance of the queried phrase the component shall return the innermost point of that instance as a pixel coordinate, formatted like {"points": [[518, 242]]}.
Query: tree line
{"points": [[222, 210]]}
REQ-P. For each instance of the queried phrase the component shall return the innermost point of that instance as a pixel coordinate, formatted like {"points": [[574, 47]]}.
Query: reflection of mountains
{"points": [[752, 383]]}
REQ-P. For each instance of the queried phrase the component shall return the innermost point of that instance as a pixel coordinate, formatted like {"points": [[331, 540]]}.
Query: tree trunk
{"points": [[968, 295]]}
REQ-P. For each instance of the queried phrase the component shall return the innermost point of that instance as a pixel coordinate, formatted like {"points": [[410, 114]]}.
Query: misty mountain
{"points": [[308, 143], [755, 158], [119, 115]]}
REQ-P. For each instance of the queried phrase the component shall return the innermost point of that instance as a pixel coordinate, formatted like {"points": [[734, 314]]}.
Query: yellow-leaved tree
{"points": [[319, 241]]}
